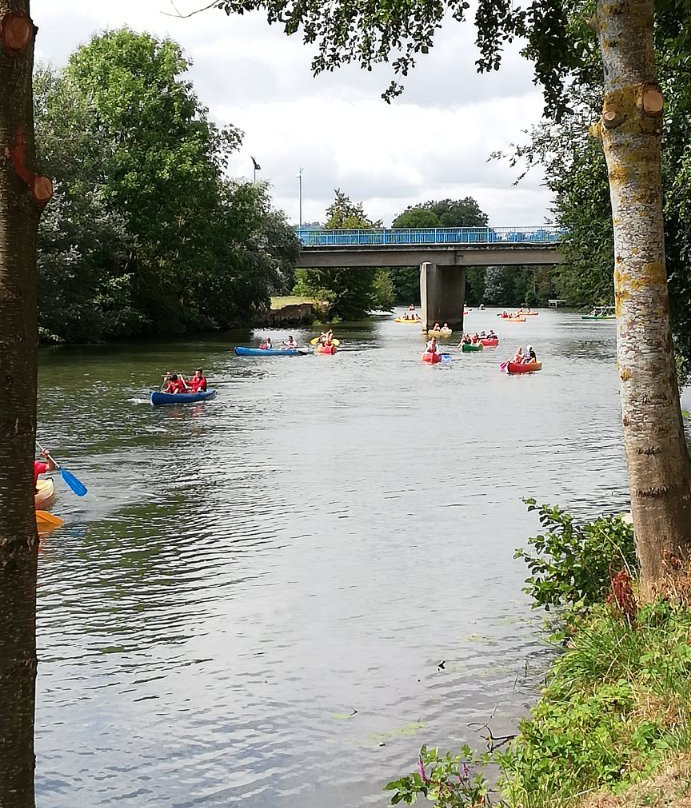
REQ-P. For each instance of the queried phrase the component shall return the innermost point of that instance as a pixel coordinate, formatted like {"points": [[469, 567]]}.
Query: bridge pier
{"points": [[442, 293]]}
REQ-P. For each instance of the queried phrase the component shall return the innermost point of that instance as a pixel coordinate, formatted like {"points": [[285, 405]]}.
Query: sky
{"points": [[434, 142]]}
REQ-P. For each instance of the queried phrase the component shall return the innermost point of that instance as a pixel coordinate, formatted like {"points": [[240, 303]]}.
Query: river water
{"points": [[251, 605]]}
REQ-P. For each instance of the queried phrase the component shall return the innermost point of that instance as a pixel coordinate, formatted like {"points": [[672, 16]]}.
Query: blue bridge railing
{"points": [[545, 234]]}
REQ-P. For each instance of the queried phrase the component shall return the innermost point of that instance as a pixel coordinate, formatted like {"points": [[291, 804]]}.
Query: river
{"points": [[251, 605]]}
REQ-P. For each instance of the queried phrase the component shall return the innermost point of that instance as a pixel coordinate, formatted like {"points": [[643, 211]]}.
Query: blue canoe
{"points": [[180, 398], [240, 351]]}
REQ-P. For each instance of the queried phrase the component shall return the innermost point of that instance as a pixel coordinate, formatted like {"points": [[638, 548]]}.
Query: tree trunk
{"points": [[19, 214], [656, 454]]}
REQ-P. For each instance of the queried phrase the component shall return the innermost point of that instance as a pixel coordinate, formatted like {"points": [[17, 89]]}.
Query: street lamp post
{"points": [[256, 167], [300, 194]]}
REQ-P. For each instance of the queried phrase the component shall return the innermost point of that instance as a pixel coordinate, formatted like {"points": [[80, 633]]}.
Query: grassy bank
{"points": [[612, 725], [278, 303], [615, 708]]}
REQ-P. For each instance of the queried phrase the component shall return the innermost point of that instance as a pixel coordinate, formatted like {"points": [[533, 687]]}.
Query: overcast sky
{"points": [[431, 143]]}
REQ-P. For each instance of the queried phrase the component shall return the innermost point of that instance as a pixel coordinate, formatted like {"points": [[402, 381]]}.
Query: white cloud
{"points": [[431, 143]]}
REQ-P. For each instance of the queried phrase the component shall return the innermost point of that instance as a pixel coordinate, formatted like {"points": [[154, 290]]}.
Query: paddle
{"points": [[76, 485], [504, 365], [335, 341], [49, 518]]}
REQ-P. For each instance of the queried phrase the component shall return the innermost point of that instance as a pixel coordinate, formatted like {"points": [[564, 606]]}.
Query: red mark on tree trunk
{"points": [[41, 187], [16, 31]]}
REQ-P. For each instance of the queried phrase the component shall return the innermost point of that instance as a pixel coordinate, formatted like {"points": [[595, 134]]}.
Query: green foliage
{"points": [[343, 214], [576, 173], [444, 780], [616, 702], [406, 285], [445, 213], [512, 286], [146, 234], [349, 293], [369, 32], [573, 564]]}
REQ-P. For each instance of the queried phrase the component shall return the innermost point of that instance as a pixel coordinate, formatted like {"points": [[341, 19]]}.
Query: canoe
{"points": [[325, 349], [514, 319], [530, 367], [471, 346], [527, 313], [415, 321], [445, 332], [490, 343], [158, 398], [45, 494], [432, 358], [241, 351]]}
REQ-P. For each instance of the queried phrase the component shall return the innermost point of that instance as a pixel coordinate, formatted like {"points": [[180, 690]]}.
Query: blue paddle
{"points": [[71, 481]]}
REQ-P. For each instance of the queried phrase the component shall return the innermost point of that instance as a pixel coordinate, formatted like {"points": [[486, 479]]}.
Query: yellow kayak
{"points": [[412, 321], [45, 494]]}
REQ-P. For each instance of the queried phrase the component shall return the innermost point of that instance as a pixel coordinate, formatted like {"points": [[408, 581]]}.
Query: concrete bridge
{"points": [[442, 253]]}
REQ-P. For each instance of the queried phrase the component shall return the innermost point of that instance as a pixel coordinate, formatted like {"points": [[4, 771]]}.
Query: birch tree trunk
{"points": [[21, 194], [630, 126]]}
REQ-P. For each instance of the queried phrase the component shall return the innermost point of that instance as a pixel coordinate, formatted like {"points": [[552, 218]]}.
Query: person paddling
{"points": [[175, 384], [432, 346], [43, 466]]}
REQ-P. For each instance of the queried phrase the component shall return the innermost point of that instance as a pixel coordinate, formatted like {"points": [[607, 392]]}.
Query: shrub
{"points": [[573, 564]]}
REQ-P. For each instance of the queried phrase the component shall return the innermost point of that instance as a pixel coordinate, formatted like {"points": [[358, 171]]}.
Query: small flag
{"points": [[257, 167]]}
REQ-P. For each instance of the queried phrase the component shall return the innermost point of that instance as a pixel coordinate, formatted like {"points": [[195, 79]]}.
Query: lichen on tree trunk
{"points": [[19, 215], [630, 127]]}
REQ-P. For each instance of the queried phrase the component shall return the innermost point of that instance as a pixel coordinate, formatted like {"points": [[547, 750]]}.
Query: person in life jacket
{"points": [[43, 466], [432, 346], [530, 355], [175, 385], [197, 383]]}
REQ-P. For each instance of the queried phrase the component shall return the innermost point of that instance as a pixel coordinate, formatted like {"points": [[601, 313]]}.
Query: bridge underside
{"points": [[476, 255]]}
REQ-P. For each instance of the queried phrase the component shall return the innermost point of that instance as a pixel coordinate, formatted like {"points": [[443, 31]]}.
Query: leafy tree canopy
{"points": [[347, 293], [146, 233], [575, 171], [368, 32], [445, 213], [343, 214]]}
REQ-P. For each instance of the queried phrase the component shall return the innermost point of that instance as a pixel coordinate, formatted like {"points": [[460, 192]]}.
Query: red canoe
{"points": [[528, 367], [431, 357], [490, 343], [325, 349]]}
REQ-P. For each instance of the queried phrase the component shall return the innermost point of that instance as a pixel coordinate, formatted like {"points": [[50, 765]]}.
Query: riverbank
{"points": [[612, 726]]}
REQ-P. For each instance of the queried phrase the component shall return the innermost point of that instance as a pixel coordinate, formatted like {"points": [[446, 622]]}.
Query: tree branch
{"points": [[180, 16]]}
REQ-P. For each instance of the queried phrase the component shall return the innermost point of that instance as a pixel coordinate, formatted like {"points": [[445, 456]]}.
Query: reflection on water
{"points": [[251, 605]]}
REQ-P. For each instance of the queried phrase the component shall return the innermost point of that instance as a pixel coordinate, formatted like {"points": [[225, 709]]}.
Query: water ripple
{"points": [[252, 604]]}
